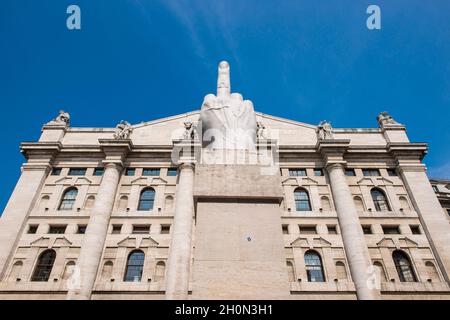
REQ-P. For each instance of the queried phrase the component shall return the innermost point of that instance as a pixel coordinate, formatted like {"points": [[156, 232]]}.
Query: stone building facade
{"points": [[442, 189], [224, 203]]}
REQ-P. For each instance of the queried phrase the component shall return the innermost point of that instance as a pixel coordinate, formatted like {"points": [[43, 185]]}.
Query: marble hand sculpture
{"points": [[228, 121]]}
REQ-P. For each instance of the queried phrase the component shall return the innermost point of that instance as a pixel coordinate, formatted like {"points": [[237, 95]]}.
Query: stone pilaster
{"points": [[354, 242], [434, 223], [179, 261], [24, 196], [95, 236]]}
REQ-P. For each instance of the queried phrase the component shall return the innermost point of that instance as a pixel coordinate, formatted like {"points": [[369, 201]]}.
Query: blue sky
{"points": [[305, 60]]}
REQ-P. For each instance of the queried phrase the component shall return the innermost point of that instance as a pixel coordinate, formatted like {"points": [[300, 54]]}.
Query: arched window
{"points": [[301, 198], [404, 203], [325, 203], [290, 270], [168, 204], [68, 270], [160, 271], [68, 199], [135, 266], [359, 204], [403, 265], [379, 200], [341, 272], [380, 271], [15, 270], [89, 202], [107, 270], [44, 266], [433, 275], [43, 204], [123, 203], [314, 268], [146, 199]]}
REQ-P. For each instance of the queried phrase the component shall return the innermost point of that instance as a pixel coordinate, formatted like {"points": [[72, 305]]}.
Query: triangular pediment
{"points": [[306, 242], [163, 131], [374, 181], [290, 182], [72, 181], [305, 181], [321, 242], [300, 242], [51, 242], [387, 243], [366, 181], [148, 181], [65, 181], [407, 242], [82, 181], [144, 241]]}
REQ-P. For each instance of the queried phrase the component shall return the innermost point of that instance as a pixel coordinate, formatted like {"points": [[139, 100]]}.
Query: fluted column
{"points": [[352, 235], [96, 231], [95, 236], [179, 261]]}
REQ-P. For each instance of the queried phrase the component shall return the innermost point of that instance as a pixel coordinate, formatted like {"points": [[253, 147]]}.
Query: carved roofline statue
{"points": [[189, 130], [385, 119], [63, 118], [260, 130], [325, 130], [123, 130]]}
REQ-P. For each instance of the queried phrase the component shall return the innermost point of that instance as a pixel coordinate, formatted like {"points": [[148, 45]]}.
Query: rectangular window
{"points": [[81, 229], [332, 229], [116, 228], [56, 171], [415, 229], [297, 172], [130, 171], [57, 229], [165, 229], [390, 229], [98, 171], [308, 230], [367, 229], [141, 229], [318, 172], [150, 172], [392, 172], [371, 172], [448, 212], [285, 229], [350, 172], [77, 171], [32, 228], [172, 172]]}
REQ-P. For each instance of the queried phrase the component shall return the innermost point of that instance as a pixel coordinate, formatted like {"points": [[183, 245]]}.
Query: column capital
{"points": [[112, 164], [334, 165], [186, 164], [333, 150], [115, 150]]}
